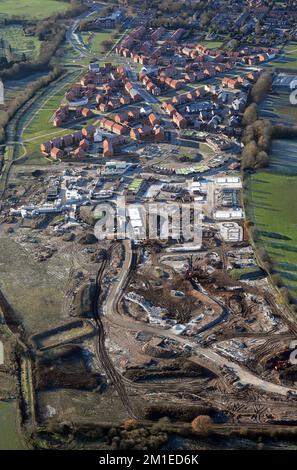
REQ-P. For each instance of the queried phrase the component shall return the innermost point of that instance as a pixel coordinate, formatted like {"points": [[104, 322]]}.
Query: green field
{"points": [[238, 273], [272, 202], [31, 8], [277, 108], [19, 42], [38, 126], [14, 88], [205, 149], [212, 44], [9, 437], [41, 123], [274, 209], [292, 50], [288, 60], [93, 41]]}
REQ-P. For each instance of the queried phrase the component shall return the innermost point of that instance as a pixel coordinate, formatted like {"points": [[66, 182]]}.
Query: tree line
{"points": [[257, 137], [258, 133]]}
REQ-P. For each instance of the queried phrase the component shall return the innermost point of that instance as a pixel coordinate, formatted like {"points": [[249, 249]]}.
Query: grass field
{"points": [[237, 274], [31, 8], [94, 41], [40, 123], [9, 438], [206, 149], [277, 108], [292, 50], [38, 126], [285, 63], [288, 60], [14, 88], [212, 44], [20, 43], [274, 209], [272, 195]]}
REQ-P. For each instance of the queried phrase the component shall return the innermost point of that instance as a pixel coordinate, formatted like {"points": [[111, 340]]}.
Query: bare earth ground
{"points": [[34, 290]]}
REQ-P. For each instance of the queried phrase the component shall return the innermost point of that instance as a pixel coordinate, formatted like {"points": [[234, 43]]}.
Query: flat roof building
{"points": [[236, 213], [231, 232]]}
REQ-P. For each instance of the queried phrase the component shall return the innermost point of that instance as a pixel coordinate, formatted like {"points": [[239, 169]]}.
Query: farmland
{"points": [[278, 106], [31, 8], [274, 209], [272, 195]]}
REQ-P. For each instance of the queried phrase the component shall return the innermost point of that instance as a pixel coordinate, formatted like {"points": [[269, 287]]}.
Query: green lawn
{"points": [[277, 108], [291, 50], [272, 202], [9, 437], [41, 122], [238, 273], [285, 64], [206, 149], [31, 8], [290, 111], [212, 44], [288, 60], [274, 209], [94, 41], [39, 126]]}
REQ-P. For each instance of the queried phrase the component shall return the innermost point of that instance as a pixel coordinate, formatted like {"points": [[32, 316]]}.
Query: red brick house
{"points": [[46, 148], [79, 153], [107, 148], [56, 153], [179, 120]]}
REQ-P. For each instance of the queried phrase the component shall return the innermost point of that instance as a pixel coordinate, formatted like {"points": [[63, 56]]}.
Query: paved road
{"points": [[74, 38], [116, 291]]}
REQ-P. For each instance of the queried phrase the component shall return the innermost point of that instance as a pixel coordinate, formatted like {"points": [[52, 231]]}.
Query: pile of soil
{"points": [[168, 369], [65, 368]]}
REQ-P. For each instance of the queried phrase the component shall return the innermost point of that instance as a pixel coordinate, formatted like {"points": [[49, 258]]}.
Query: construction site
{"points": [[146, 301], [158, 336]]}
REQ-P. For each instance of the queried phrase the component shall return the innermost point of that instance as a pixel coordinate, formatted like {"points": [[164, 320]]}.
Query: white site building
{"points": [[231, 232], [135, 228], [232, 182], [229, 214]]}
